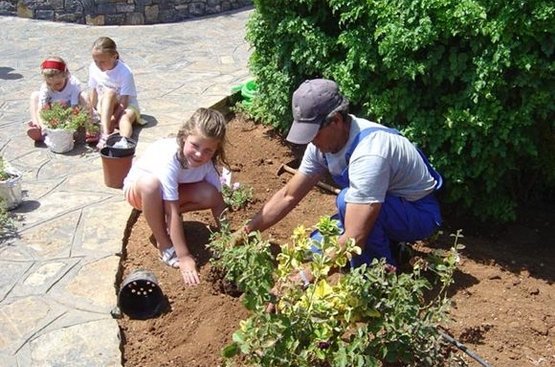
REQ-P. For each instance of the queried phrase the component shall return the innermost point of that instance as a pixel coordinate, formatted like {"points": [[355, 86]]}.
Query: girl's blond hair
{"points": [[106, 45], [58, 69], [209, 124]]}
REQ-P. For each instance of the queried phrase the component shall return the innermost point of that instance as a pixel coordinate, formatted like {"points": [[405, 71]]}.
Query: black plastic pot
{"points": [[140, 297], [111, 151]]}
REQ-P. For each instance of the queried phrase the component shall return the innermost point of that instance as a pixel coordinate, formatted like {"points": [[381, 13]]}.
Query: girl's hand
{"points": [[188, 268]]}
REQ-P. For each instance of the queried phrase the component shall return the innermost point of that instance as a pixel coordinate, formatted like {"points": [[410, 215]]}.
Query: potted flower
{"points": [[61, 122], [10, 185]]}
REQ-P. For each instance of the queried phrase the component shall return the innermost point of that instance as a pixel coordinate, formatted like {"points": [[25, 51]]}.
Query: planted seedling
{"points": [[236, 195]]}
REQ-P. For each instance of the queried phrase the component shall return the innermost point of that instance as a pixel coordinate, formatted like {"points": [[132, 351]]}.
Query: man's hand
{"points": [[303, 278], [238, 237], [188, 268]]}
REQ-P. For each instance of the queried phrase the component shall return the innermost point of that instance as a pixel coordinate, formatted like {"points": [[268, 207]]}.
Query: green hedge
{"points": [[472, 82]]}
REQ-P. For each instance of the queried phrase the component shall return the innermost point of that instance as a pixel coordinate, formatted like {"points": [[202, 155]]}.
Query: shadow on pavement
{"points": [[27, 206], [150, 121], [6, 73]]}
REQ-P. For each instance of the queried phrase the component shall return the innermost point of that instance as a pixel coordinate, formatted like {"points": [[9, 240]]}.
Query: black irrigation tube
{"points": [[462, 347]]}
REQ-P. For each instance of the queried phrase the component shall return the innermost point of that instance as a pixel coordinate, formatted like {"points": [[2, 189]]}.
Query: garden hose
{"points": [[462, 347], [247, 90]]}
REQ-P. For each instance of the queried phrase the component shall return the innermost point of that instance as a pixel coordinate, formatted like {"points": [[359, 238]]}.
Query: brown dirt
{"points": [[502, 300]]}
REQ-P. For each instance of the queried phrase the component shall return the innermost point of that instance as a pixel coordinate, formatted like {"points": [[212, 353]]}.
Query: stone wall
{"points": [[117, 12]]}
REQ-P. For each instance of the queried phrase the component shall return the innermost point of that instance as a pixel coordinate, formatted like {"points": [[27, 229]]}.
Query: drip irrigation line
{"points": [[462, 347]]}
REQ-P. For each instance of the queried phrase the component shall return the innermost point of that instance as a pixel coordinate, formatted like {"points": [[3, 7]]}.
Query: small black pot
{"points": [[119, 152], [140, 297]]}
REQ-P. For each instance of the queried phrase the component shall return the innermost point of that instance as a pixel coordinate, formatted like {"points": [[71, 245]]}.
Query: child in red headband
{"points": [[113, 94], [58, 86]]}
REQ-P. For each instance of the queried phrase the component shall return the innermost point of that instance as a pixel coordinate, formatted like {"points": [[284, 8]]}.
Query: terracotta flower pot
{"points": [[115, 169]]}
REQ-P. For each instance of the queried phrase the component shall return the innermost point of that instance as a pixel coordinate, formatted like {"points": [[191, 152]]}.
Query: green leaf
{"points": [[230, 350]]}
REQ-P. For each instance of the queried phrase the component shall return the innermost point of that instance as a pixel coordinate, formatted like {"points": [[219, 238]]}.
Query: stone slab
{"points": [[74, 346]]}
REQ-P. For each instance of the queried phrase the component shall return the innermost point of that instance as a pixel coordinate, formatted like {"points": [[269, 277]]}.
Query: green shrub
{"points": [[364, 317], [472, 82]]}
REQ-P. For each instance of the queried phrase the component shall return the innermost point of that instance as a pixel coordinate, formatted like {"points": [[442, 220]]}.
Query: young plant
{"points": [[236, 196], [365, 317], [4, 175], [6, 170], [249, 266], [61, 116]]}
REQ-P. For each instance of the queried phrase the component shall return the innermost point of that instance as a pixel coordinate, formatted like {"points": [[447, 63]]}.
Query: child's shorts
{"points": [[131, 197], [137, 113]]}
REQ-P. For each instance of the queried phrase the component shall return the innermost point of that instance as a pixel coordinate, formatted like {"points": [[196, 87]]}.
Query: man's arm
{"points": [[282, 202], [359, 221]]}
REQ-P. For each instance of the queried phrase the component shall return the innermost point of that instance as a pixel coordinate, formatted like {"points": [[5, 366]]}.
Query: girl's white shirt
{"points": [[160, 160], [69, 95], [120, 79]]}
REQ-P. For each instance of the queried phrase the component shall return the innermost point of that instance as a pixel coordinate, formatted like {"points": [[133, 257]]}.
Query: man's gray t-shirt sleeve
{"points": [[312, 162]]}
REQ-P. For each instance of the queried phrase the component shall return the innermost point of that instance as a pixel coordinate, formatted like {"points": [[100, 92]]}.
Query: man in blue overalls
{"points": [[387, 183]]}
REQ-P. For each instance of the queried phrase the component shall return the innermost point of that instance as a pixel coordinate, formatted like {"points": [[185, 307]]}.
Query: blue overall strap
{"points": [[364, 133]]}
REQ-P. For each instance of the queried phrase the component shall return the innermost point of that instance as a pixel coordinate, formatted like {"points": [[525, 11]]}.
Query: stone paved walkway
{"points": [[57, 277]]}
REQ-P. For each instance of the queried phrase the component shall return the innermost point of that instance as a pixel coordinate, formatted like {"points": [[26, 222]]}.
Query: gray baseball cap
{"points": [[312, 102]]}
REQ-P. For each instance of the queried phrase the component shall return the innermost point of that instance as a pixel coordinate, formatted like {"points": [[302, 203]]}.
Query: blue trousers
{"points": [[399, 220]]}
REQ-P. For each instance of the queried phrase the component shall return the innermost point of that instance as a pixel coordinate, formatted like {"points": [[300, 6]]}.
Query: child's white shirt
{"points": [[120, 79], [69, 95], [160, 160]]}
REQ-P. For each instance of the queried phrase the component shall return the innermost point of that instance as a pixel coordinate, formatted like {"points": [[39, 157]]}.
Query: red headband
{"points": [[53, 64]]}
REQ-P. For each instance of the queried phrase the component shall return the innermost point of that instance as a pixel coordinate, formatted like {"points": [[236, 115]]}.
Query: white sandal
{"points": [[169, 257]]}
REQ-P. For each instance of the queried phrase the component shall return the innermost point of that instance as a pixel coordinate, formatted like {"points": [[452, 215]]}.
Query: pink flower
{"points": [[236, 186]]}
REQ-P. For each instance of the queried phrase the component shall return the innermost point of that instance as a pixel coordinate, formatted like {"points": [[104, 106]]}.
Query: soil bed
{"points": [[502, 300]]}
